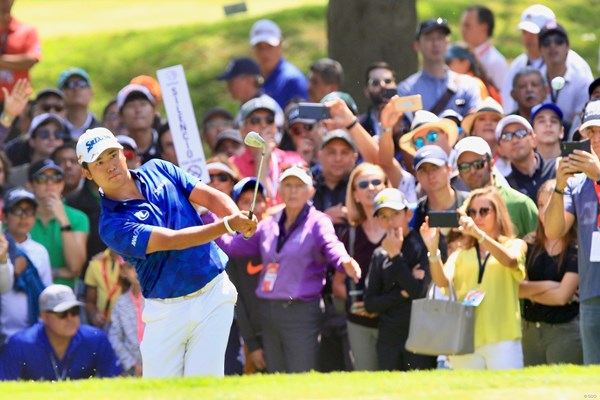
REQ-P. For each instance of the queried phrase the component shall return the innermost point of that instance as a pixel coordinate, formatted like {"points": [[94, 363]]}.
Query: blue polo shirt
{"points": [[28, 355], [125, 226], [285, 83]]}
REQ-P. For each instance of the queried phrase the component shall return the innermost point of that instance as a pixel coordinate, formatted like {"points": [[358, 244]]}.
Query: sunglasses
{"points": [[299, 129], [556, 39], [20, 212], [78, 84], [73, 312], [269, 119], [508, 136], [365, 184], [219, 123], [430, 137], [43, 179], [50, 106], [129, 154], [465, 167], [221, 177], [378, 82], [483, 211], [46, 134]]}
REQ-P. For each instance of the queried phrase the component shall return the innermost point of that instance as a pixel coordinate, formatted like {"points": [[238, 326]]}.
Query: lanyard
{"points": [[59, 377], [284, 236], [137, 302], [597, 187], [480, 53], [481, 264], [110, 289]]}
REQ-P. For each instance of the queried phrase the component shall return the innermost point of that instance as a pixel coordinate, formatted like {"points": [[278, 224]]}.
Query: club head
{"points": [[253, 139]]}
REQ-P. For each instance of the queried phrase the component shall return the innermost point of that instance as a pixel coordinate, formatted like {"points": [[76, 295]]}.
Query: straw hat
{"points": [[487, 106], [425, 121]]}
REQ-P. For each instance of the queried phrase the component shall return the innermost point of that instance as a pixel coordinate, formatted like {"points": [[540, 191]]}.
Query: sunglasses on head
{"points": [[73, 312], [46, 134], [508, 136], [365, 184], [430, 137], [78, 84], [19, 212], [465, 167], [556, 39], [483, 211], [43, 179], [269, 119], [221, 177], [51, 106], [299, 129], [378, 82]]}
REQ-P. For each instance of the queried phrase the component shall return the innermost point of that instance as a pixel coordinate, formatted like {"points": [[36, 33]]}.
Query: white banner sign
{"points": [[182, 121]]}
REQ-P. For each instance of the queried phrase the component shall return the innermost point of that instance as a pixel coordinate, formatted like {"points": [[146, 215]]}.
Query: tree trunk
{"points": [[361, 32]]}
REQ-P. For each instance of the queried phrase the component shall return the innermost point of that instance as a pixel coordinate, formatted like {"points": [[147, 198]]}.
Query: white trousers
{"points": [[187, 336], [501, 355]]}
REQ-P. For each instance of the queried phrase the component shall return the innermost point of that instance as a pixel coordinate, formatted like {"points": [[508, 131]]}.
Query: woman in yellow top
{"points": [[491, 261]]}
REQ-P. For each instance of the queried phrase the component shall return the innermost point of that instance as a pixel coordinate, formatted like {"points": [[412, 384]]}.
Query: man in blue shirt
{"points": [[59, 347], [283, 80], [148, 217]]}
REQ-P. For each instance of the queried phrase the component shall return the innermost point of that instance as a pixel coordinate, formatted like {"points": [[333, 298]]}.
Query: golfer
{"points": [[148, 217]]}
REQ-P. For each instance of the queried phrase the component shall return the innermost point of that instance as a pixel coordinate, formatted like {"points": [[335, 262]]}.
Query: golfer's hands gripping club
{"points": [[243, 223]]}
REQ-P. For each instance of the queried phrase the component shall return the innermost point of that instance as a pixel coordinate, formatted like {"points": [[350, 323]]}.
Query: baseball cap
{"points": [[474, 144], [58, 298], [93, 142], [535, 17], [41, 119], [265, 30], [299, 173], [130, 90], [344, 96], [511, 119], [239, 66], [16, 195], [228, 134], [127, 141], [72, 71], [546, 106], [42, 166], [220, 166], [151, 84], [258, 103], [338, 134], [293, 116], [390, 198], [550, 28], [591, 115], [47, 91], [248, 183], [216, 111], [593, 86], [432, 24], [431, 154]]}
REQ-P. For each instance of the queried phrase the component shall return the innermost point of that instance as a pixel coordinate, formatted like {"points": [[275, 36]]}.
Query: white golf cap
{"points": [[473, 144], [93, 142], [266, 31], [299, 173], [511, 119], [535, 17], [390, 198], [58, 298]]}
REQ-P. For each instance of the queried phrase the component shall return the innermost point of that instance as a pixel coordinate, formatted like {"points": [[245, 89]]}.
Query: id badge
{"points": [[595, 247], [270, 277], [474, 298]]}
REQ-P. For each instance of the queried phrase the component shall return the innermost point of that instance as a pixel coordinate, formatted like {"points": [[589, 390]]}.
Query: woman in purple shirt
{"points": [[295, 245]]}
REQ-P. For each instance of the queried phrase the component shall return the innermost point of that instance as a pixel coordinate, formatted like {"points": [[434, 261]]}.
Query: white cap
{"points": [[299, 173], [474, 144], [390, 198], [93, 142], [267, 31], [535, 17], [591, 116], [511, 119], [58, 298], [128, 90]]}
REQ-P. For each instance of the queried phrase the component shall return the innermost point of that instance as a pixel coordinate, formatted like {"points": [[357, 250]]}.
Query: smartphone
{"points": [[444, 219], [568, 147], [409, 103], [388, 93], [313, 111]]}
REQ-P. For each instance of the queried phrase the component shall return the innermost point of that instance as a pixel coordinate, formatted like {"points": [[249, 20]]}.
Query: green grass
{"points": [[205, 45], [565, 382]]}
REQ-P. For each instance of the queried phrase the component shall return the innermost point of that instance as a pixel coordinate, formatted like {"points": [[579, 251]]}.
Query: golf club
{"points": [[253, 139]]}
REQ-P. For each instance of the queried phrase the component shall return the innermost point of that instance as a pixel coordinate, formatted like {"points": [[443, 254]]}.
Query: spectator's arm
{"points": [[7, 272], [17, 61], [558, 221], [389, 117], [562, 294]]}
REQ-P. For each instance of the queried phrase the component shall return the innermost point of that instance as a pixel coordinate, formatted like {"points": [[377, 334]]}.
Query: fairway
{"points": [[565, 382], [73, 17]]}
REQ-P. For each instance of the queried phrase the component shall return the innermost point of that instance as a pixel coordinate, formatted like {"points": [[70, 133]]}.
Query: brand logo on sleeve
{"points": [[142, 215]]}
